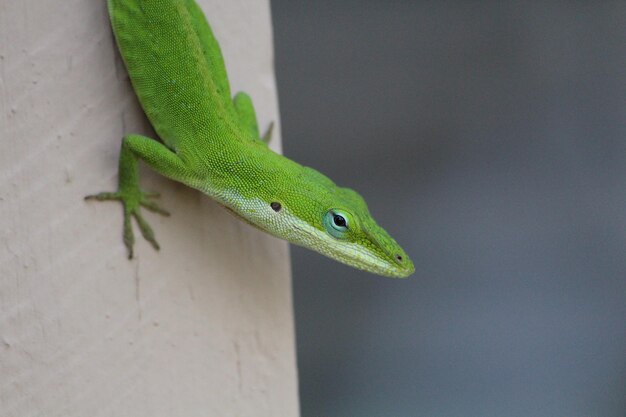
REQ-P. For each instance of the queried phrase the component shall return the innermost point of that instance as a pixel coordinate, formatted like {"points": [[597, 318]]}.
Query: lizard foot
{"points": [[133, 202]]}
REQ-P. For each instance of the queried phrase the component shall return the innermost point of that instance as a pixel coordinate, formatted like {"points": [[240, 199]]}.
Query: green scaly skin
{"points": [[211, 142]]}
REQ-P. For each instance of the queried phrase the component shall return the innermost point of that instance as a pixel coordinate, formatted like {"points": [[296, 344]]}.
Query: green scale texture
{"points": [[211, 142]]}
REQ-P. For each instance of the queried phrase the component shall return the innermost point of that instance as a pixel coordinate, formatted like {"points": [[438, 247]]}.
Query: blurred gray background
{"points": [[490, 140]]}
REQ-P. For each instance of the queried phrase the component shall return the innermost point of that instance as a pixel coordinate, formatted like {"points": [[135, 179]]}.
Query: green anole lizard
{"points": [[211, 142]]}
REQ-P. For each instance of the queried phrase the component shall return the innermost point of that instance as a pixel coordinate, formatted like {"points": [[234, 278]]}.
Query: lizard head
{"points": [[336, 222], [354, 237]]}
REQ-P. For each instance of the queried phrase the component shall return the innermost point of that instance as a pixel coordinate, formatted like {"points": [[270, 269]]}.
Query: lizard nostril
{"points": [[275, 206], [399, 258]]}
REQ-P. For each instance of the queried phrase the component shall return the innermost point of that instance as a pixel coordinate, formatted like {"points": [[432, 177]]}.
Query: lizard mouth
{"points": [[362, 257], [371, 261]]}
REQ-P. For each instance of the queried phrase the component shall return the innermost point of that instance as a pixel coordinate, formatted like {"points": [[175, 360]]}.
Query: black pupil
{"points": [[339, 220]]}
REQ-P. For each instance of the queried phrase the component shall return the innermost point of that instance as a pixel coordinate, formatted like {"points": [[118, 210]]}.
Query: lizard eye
{"points": [[339, 220], [336, 223]]}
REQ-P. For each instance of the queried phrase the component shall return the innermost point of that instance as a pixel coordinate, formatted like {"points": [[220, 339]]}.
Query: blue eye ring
{"points": [[337, 223]]}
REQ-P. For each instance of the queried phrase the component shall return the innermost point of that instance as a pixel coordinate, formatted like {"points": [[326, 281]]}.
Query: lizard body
{"points": [[211, 142]]}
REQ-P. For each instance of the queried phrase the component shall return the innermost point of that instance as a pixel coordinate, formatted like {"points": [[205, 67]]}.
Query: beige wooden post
{"points": [[202, 328]]}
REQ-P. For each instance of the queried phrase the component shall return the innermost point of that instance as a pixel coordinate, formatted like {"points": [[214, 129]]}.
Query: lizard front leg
{"points": [[160, 158]]}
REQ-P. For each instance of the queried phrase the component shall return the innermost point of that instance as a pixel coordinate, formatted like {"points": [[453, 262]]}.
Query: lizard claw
{"points": [[154, 207], [104, 196]]}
